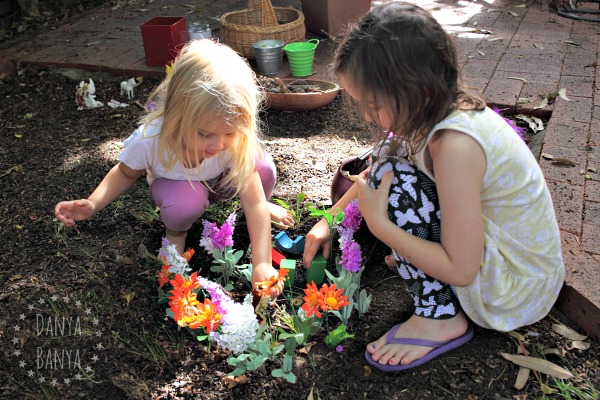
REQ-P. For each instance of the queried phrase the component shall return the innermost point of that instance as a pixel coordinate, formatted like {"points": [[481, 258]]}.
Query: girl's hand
{"points": [[373, 203], [69, 212], [262, 273], [319, 236]]}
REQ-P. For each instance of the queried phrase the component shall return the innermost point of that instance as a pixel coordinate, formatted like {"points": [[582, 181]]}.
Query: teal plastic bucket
{"points": [[301, 55]]}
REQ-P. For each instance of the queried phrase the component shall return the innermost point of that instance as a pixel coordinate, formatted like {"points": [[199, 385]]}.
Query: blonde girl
{"points": [[198, 146], [454, 192]]}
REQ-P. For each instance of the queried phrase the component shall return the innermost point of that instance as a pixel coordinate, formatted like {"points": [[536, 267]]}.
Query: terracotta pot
{"points": [[294, 102], [341, 182], [331, 17]]}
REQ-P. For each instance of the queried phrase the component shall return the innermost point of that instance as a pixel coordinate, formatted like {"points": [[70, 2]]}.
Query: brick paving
{"points": [[507, 50]]}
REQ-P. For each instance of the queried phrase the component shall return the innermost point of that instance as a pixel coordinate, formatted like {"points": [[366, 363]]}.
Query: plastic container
{"points": [[301, 56], [163, 37], [269, 56], [199, 30]]}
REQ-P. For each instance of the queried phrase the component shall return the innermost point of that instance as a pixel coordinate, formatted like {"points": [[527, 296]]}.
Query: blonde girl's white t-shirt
{"points": [[141, 153], [522, 270]]}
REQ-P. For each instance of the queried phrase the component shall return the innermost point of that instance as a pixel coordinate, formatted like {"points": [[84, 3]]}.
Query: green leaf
{"points": [[282, 203], [290, 377], [277, 373], [334, 337]]}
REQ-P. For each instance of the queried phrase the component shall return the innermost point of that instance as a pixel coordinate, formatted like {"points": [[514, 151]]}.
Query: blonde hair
{"points": [[209, 83]]}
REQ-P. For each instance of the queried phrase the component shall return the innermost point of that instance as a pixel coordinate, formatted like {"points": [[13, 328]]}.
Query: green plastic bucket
{"points": [[301, 55]]}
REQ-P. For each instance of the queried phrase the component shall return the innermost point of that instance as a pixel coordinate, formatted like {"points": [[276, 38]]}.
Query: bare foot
{"points": [[280, 217], [418, 328]]}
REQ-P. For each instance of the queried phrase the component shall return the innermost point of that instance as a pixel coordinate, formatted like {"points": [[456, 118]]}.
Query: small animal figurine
{"points": [[283, 243], [127, 87], [86, 91]]}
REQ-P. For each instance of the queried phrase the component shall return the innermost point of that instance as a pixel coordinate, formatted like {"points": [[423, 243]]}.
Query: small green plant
{"points": [[580, 389], [295, 211], [266, 348], [148, 213], [59, 232]]}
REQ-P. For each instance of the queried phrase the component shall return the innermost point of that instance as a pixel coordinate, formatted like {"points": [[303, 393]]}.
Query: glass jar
{"points": [[199, 30]]}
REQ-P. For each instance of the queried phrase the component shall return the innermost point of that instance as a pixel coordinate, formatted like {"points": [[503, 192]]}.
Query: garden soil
{"points": [[79, 316]]}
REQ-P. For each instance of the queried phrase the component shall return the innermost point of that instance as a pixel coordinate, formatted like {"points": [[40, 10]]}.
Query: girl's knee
{"points": [[265, 166]]}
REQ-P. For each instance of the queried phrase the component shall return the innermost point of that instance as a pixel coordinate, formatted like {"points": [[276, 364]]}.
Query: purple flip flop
{"points": [[439, 348]]}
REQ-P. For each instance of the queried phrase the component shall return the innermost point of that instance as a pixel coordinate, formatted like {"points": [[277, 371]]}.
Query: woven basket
{"points": [[239, 29]]}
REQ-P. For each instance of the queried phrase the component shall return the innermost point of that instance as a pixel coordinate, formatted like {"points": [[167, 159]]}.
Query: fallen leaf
{"points": [[523, 375], [14, 168], [128, 296], [514, 14], [517, 335], [547, 156], [517, 78], [567, 332], [233, 381], [579, 345], [540, 365], [572, 43], [18, 136], [367, 371], [543, 103], [562, 93], [538, 46], [592, 169], [556, 351], [565, 161]]}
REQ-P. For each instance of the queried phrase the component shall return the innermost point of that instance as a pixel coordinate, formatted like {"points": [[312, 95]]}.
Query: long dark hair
{"points": [[401, 58]]}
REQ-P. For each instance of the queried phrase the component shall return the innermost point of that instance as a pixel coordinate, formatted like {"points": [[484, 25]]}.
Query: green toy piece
{"points": [[316, 272], [290, 265]]}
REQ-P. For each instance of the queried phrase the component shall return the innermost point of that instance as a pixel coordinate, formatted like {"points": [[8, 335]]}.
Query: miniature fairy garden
{"points": [[107, 310]]}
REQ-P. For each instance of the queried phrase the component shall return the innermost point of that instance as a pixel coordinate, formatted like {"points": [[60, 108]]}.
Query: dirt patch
{"points": [[54, 278]]}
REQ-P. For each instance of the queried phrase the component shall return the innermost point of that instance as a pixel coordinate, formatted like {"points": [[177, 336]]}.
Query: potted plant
{"points": [[331, 17]]}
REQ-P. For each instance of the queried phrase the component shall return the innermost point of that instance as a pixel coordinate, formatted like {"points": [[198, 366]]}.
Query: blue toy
{"points": [[283, 243]]}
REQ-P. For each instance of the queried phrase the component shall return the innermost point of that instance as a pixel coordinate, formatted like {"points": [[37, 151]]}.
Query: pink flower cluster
{"points": [[351, 258], [218, 238]]}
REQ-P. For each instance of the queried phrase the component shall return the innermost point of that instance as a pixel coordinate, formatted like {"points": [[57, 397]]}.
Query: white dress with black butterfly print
{"points": [[522, 270]]}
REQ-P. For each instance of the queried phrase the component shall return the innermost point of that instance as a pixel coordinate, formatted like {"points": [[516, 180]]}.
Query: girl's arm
{"points": [[259, 228], [116, 182], [459, 165], [319, 235]]}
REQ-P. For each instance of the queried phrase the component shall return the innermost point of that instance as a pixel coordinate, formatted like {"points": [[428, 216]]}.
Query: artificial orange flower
{"points": [[206, 316], [185, 285], [311, 300], [188, 254], [330, 298], [163, 276], [263, 288], [183, 305]]}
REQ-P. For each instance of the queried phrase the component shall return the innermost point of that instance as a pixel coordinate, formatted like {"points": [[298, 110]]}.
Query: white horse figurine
{"points": [[127, 87]]}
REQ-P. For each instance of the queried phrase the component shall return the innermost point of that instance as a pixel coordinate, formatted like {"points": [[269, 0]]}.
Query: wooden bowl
{"points": [[294, 102]]}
